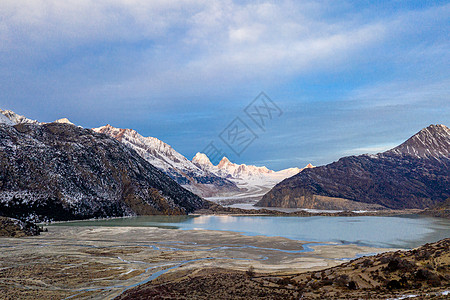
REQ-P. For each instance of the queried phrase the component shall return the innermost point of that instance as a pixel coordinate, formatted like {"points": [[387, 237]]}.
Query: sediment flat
{"points": [[421, 273], [104, 262]]}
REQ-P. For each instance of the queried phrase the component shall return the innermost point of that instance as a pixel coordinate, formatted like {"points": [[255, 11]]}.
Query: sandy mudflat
{"points": [[103, 262]]}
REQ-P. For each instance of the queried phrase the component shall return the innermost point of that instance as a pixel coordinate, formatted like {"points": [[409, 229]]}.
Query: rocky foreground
{"points": [[15, 228], [424, 272]]}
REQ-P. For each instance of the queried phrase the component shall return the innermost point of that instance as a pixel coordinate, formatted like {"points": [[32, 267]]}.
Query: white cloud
{"points": [[374, 149], [191, 45]]}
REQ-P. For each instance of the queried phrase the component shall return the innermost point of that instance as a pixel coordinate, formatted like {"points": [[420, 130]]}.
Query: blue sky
{"points": [[351, 77]]}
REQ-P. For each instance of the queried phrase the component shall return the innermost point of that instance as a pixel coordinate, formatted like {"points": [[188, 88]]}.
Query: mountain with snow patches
{"points": [[415, 174], [199, 181], [58, 171]]}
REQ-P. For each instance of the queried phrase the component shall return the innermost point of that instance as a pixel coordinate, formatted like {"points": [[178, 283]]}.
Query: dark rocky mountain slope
{"points": [[61, 172], [415, 174]]}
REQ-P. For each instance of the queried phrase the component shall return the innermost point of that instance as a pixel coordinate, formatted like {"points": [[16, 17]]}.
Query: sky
{"points": [[346, 77]]}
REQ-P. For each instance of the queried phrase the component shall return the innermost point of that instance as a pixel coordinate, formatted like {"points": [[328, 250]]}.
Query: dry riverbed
{"points": [[104, 262]]}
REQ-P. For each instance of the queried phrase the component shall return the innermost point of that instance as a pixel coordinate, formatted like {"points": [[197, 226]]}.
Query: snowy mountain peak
{"points": [[309, 166], [224, 162], [201, 159], [430, 142], [9, 117]]}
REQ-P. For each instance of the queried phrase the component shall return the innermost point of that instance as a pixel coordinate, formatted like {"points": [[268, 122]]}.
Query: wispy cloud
{"points": [[183, 42]]}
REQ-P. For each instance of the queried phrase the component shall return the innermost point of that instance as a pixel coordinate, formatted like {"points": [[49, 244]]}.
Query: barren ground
{"points": [[105, 262]]}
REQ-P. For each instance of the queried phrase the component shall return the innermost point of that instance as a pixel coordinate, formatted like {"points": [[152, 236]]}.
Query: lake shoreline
{"points": [[231, 211], [221, 210]]}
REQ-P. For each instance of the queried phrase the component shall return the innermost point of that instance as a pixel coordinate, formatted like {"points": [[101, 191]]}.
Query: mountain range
{"points": [[59, 171], [249, 173], [245, 175], [199, 175], [47, 174], [415, 174]]}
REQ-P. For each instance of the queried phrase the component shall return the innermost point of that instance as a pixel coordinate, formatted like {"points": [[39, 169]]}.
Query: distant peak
{"points": [[225, 159], [106, 127], [63, 121], [309, 166], [435, 128], [439, 126]]}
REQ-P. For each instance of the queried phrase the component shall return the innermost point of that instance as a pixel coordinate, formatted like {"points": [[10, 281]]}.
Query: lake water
{"points": [[396, 231]]}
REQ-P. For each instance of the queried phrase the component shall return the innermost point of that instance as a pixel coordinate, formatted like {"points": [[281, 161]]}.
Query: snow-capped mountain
{"points": [[174, 164], [253, 181], [245, 173], [202, 161], [63, 121]]}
